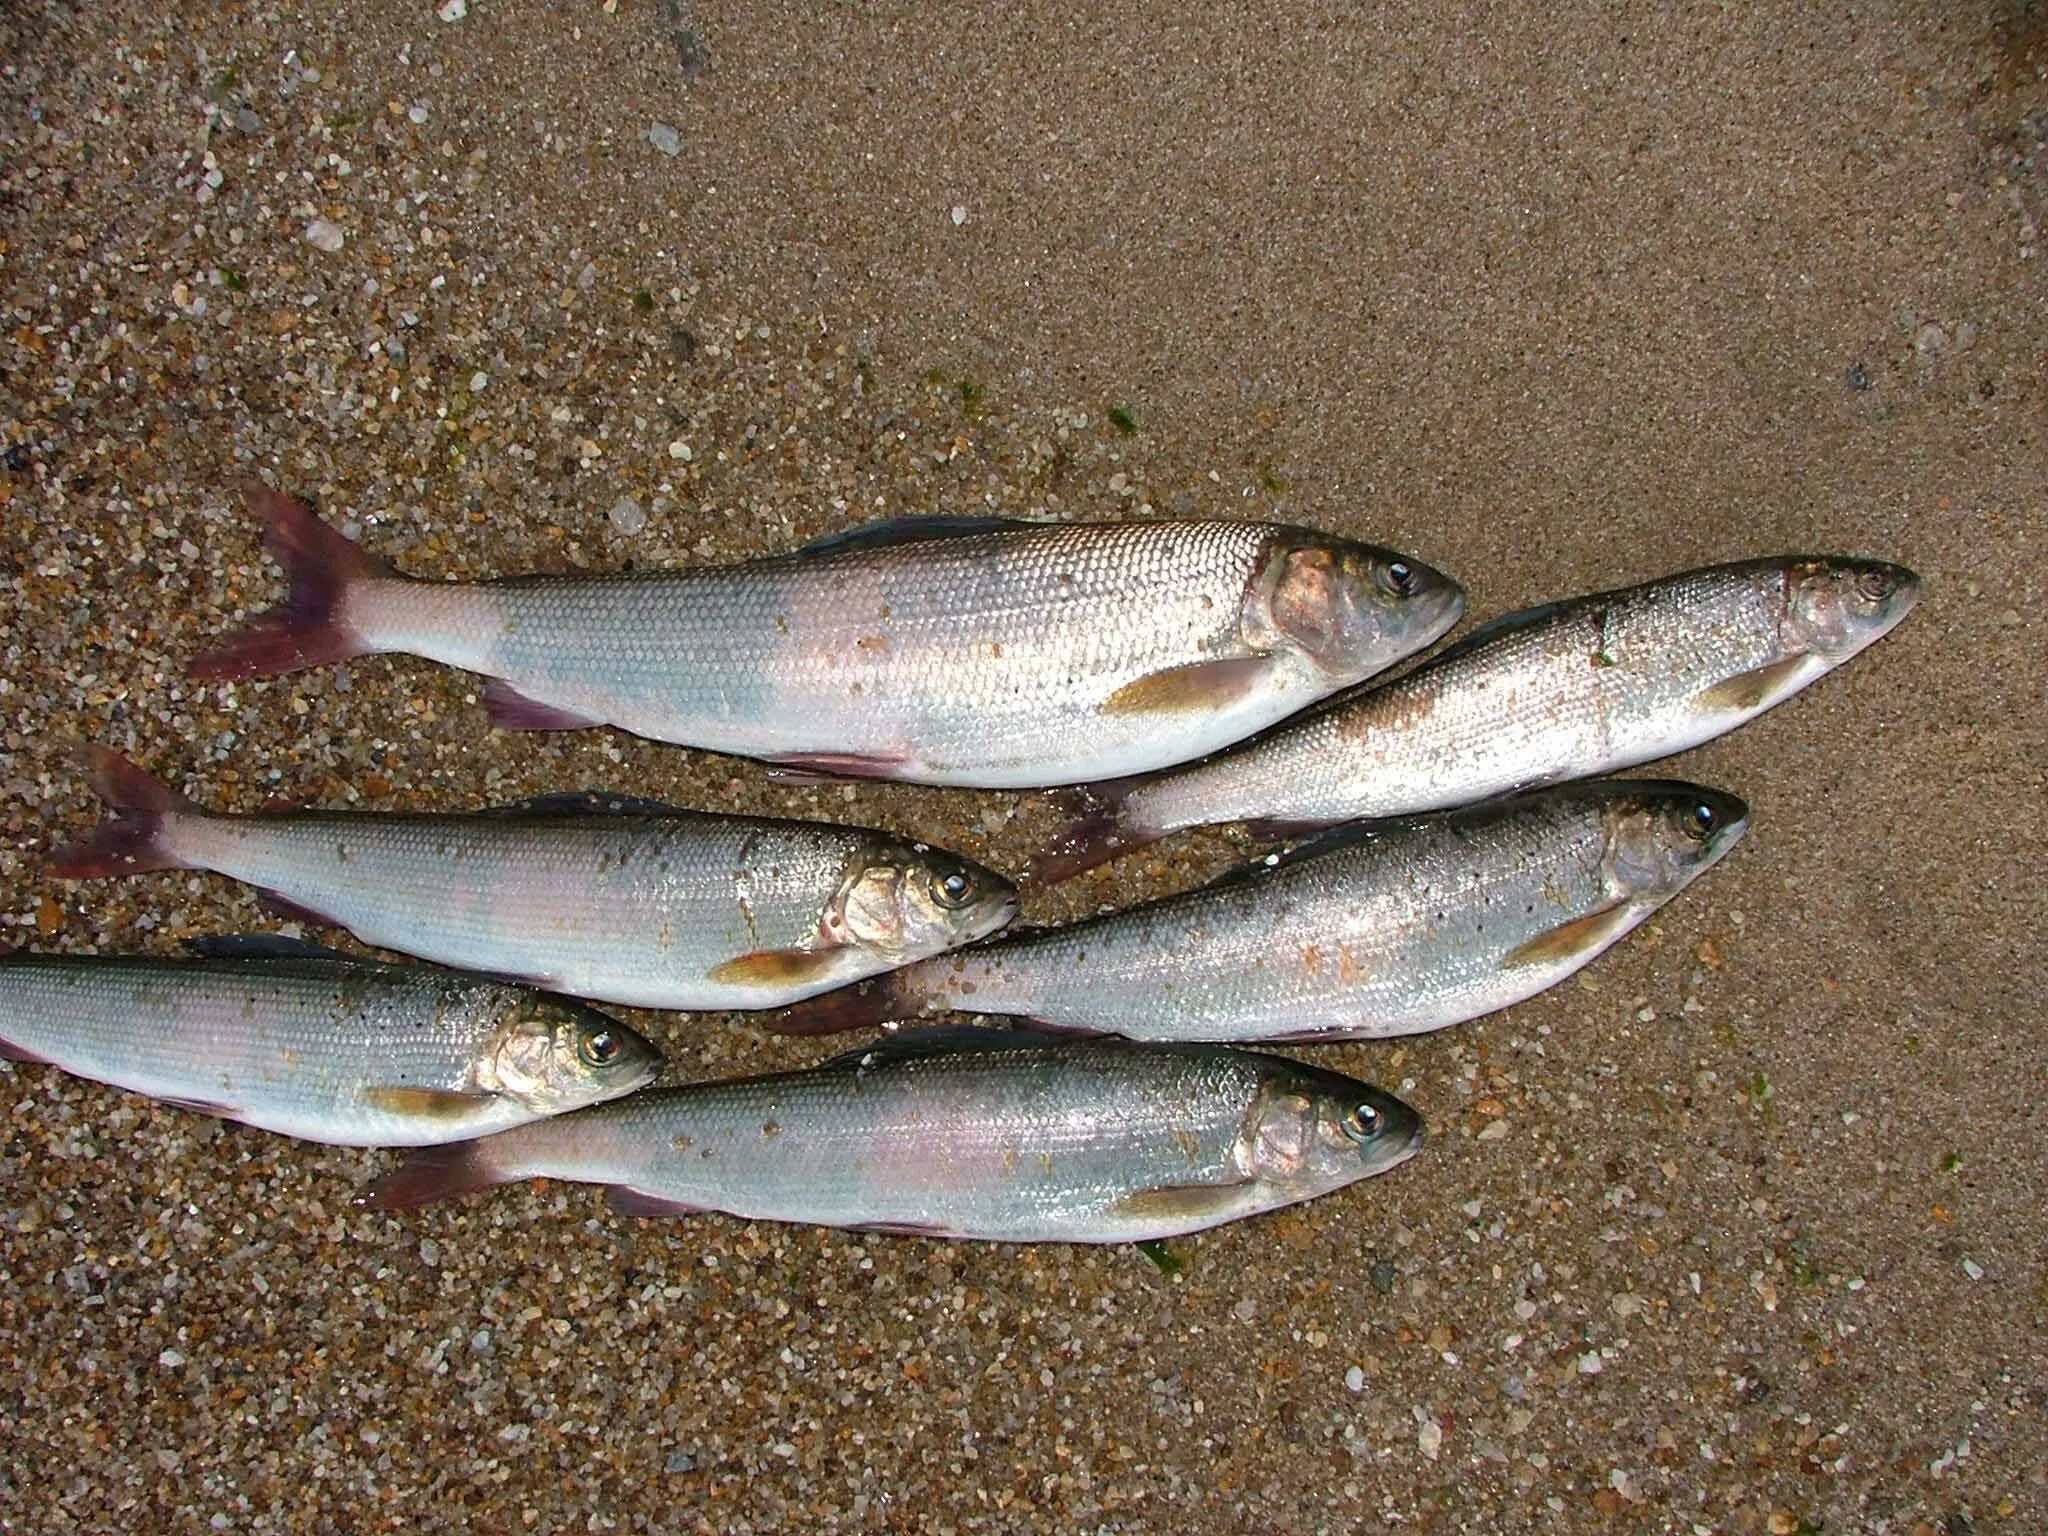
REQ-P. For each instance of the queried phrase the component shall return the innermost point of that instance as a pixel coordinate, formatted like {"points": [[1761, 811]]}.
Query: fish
{"points": [[1374, 930], [977, 652], [991, 1135], [305, 1042], [1570, 690], [599, 896]]}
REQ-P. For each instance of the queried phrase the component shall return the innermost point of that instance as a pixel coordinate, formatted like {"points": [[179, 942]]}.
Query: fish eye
{"points": [[953, 890], [1873, 586], [1398, 577], [1363, 1123], [599, 1048], [1701, 821]]}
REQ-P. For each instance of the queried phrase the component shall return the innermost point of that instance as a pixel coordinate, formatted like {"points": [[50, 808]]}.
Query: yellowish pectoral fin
{"points": [[1192, 689], [1181, 1202], [1578, 940], [773, 968], [1752, 690], [426, 1103]]}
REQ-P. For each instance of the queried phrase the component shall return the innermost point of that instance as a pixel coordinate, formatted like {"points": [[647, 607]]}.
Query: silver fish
{"points": [[1588, 686], [620, 900], [990, 1134], [316, 1045], [1379, 929], [939, 651]]}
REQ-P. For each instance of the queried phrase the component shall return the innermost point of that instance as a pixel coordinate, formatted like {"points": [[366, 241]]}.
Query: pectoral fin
{"points": [[1182, 1202], [1574, 942], [773, 968], [1764, 685], [426, 1103], [1196, 688]]}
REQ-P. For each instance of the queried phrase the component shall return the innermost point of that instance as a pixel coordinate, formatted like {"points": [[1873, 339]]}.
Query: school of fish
{"points": [[1467, 853]]}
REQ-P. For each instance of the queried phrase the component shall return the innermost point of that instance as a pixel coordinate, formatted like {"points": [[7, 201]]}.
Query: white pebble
{"points": [[679, 450], [959, 215], [416, 115], [325, 235], [1973, 1269], [477, 381], [1589, 1363], [1430, 1438], [665, 139], [627, 515], [170, 1359], [430, 1251], [1354, 1380], [453, 10]]}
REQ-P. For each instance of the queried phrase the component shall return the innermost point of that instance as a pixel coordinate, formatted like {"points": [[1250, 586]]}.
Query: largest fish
{"points": [[999, 655], [992, 1134]]}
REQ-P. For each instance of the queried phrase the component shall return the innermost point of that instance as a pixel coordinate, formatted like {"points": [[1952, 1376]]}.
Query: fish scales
{"points": [[1002, 657], [297, 1046], [1395, 929], [1583, 687], [1094, 1141]]}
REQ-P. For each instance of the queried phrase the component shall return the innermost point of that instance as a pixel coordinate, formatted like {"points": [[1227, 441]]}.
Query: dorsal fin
{"points": [[586, 802], [942, 1040], [267, 946], [903, 530]]}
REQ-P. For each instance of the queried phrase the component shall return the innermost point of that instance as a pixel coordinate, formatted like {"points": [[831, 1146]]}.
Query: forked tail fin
{"points": [[131, 840], [435, 1173], [308, 630], [1099, 830], [865, 1005]]}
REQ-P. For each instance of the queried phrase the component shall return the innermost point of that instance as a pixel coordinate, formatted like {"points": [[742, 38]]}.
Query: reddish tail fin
{"points": [[866, 1005], [1097, 834], [434, 1173], [307, 631], [130, 841]]}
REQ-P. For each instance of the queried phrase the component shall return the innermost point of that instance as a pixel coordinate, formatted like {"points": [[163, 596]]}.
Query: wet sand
{"points": [[1741, 1231]]}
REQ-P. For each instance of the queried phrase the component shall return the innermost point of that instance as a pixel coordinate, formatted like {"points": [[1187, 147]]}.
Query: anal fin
{"points": [[512, 710], [628, 1201]]}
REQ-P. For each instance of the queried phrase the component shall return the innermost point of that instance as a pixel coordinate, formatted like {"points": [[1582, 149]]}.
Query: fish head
{"points": [[906, 901], [1836, 606], [1311, 1130], [552, 1054], [1352, 609], [1663, 835]]}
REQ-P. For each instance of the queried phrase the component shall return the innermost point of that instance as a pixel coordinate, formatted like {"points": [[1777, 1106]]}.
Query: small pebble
{"points": [[1430, 1438], [325, 235], [1973, 1269], [665, 139], [416, 115], [959, 215], [477, 381], [1354, 1380], [627, 515], [1589, 1363], [453, 10], [681, 1461], [170, 1359]]}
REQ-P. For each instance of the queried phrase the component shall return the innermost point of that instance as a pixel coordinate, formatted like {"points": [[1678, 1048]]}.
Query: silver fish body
{"points": [[1005, 1138], [1391, 928], [1589, 686], [1000, 656], [648, 907], [322, 1048]]}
